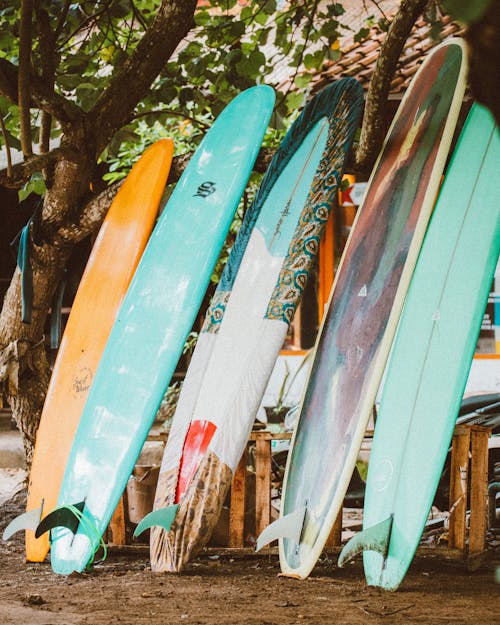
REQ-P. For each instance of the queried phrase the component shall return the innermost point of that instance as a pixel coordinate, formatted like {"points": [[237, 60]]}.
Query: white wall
{"points": [[484, 377]]}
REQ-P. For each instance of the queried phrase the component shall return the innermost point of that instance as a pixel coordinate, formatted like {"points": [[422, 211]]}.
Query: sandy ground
{"points": [[222, 588]]}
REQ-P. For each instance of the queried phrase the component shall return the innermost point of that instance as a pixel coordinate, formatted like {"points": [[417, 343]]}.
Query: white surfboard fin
{"points": [[64, 516], [375, 538], [288, 526], [26, 521], [163, 517]]}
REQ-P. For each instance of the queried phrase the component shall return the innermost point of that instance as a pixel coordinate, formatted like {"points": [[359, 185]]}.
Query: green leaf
{"points": [[237, 29], [246, 13], [250, 66], [330, 30], [295, 101], [36, 184], [361, 34], [335, 9], [302, 80], [69, 82], [270, 7], [261, 18], [315, 60]]}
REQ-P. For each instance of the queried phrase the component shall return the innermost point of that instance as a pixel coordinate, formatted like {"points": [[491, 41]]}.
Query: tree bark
{"points": [[24, 368], [373, 130]]}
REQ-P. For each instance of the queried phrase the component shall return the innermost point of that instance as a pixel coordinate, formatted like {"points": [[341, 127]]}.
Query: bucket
{"points": [[141, 486]]}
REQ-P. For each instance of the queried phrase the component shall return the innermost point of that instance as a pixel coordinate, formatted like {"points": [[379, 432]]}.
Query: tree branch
{"points": [[21, 172], [90, 217], [86, 23], [7, 146], [47, 42], [372, 131], [172, 113], [23, 79], [95, 209], [42, 97], [113, 109]]}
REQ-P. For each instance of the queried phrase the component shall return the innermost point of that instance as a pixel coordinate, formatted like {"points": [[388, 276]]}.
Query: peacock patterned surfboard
{"points": [[247, 322]]}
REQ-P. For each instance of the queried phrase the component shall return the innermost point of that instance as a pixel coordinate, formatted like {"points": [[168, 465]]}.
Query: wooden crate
{"points": [[468, 485]]}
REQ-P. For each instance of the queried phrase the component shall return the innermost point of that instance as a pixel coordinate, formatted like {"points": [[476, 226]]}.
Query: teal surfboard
{"points": [[156, 315], [432, 354]]}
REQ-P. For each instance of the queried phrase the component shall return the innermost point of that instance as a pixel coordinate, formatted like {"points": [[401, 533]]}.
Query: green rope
{"points": [[91, 531]]}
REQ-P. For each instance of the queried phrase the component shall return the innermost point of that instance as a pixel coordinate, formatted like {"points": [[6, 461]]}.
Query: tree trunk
{"points": [[373, 130], [23, 362]]}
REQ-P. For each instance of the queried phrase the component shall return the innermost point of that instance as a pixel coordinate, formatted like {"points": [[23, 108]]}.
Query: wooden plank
{"points": [[326, 262], [458, 487], [117, 524], [237, 509], [478, 489], [262, 484], [269, 436], [335, 537], [296, 329]]}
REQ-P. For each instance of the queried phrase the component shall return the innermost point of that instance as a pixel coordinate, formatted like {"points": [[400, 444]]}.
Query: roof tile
{"points": [[358, 58]]}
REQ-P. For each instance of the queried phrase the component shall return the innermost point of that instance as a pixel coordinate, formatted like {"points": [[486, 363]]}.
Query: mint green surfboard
{"points": [[153, 322], [432, 354]]}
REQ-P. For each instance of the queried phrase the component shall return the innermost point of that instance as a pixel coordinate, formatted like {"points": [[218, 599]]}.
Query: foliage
{"points": [[131, 142], [79, 46]]}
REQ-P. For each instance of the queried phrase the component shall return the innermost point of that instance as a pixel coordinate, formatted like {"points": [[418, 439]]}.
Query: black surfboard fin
{"points": [[64, 516], [374, 538], [27, 521], [163, 517], [288, 526]]}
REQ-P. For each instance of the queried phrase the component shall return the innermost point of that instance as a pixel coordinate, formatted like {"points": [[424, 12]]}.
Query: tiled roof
{"points": [[358, 59]]}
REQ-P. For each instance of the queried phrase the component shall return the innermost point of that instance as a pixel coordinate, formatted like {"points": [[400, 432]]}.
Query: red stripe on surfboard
{"points": [[198, 438]]}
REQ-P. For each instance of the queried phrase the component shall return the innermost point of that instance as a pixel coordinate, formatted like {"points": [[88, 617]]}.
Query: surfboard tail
{"points": [[163, 517], [374, 538], [68, 516], [288, 526], [27, 521]]}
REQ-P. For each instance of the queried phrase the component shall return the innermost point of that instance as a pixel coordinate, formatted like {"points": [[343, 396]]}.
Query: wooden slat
{"points": [[237, 510], [326, 263], [479, 489], [117, 524], [269, 436], [262, 484], [458, 487], [335, 537]]}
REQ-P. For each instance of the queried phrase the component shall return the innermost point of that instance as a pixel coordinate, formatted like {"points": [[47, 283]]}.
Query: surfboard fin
{"points": [[26, 521], [375, 538], [288, 526], [64, 516], [163, 517]]}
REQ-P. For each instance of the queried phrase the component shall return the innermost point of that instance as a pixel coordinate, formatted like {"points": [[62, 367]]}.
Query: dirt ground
{"points": [[219, 588]]}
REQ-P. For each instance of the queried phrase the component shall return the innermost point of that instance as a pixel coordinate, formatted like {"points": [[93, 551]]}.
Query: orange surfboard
{"points": [[115, 255]]}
